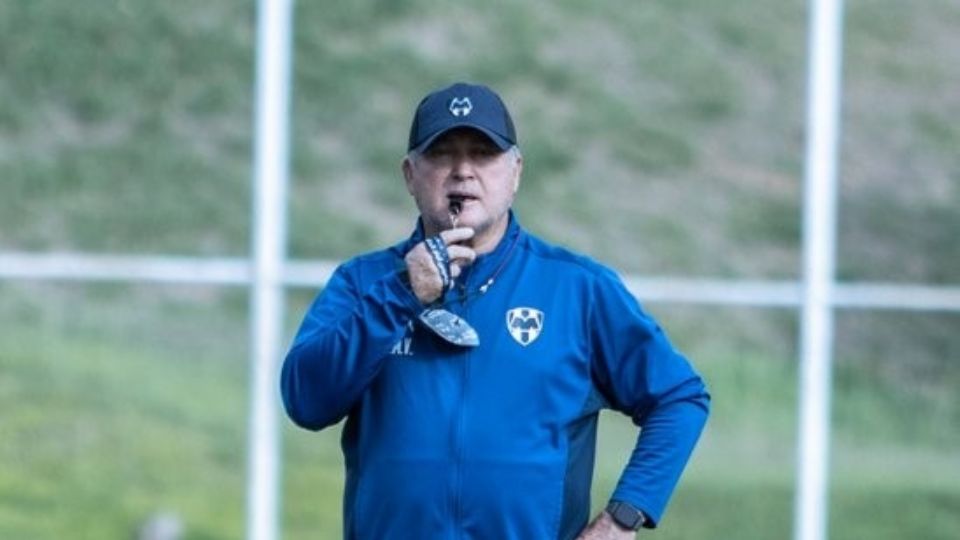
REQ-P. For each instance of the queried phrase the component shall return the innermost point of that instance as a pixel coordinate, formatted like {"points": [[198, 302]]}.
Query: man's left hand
{"points": [[604, 528]]}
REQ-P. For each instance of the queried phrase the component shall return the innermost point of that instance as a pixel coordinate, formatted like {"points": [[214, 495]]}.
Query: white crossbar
{"points": [[315, 273]]}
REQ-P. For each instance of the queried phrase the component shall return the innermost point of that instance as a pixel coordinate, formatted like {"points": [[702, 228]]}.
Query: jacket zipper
{"points": [[459, 443]]}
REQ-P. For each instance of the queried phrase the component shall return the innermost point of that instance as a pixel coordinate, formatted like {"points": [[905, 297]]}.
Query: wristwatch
{"points": [[625, 515]]}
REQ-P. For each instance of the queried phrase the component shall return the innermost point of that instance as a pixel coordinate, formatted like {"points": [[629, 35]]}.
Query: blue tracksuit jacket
{"points": [[495, 442]]}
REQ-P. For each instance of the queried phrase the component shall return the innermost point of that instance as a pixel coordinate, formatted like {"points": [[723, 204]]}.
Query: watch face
{"points": [[625, 515]]}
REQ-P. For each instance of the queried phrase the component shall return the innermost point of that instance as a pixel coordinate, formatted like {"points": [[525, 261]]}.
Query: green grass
{"points": [[97, 436], [110, 415]]}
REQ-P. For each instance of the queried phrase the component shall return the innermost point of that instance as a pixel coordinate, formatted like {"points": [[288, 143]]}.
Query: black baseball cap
{"points": [[462, 105]]}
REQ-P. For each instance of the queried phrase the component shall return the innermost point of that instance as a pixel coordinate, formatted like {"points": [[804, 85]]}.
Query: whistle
{"points": [[455, 207]]}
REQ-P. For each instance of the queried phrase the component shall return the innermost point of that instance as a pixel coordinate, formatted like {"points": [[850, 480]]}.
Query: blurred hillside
{"points": [[664, 137]]}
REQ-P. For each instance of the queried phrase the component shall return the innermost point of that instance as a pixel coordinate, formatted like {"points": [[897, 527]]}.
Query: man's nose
{"points": [[462, 167]]}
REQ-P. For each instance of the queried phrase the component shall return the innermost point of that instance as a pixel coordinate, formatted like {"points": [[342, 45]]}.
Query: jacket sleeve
{"points": [[341, 345], [641, 374]]}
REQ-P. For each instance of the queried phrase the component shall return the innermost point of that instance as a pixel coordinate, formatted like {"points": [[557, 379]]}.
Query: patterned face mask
{"points": [[443, 323], [452, 328]]}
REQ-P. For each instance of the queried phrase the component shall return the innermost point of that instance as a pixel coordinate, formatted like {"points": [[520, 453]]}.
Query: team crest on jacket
{"points": [[524, 324]]}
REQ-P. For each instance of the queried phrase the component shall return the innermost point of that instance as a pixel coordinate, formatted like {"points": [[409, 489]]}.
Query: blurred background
{"points": [[663, 137]]}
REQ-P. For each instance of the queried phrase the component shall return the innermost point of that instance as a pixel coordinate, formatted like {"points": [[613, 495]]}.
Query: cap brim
{"points": [[501, 142]]}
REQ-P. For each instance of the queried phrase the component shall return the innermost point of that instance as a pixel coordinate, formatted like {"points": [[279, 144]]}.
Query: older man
{"points": [[471, 361]]}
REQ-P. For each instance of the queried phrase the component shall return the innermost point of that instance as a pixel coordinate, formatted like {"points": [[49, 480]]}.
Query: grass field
{"points": [[664, 138], [107, 420]]}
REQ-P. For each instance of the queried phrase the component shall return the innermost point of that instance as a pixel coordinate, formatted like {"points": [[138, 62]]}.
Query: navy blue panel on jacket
{"points": [[494, 442]]}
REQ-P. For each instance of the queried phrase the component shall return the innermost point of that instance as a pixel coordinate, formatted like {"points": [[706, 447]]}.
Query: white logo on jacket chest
{"points": [[524, 324]]}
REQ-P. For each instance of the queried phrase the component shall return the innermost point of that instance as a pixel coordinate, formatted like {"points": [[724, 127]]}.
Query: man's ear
{"points": [[407, 167], [517, 173]]}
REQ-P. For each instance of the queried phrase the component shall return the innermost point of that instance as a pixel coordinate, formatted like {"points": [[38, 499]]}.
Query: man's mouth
{"points": [[457, 201]]}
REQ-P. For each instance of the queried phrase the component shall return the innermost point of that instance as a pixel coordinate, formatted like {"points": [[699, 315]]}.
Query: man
{"points": [[471, 361]]}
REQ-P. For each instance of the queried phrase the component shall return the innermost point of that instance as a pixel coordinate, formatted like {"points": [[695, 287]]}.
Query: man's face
{"points": [[464, 166]]}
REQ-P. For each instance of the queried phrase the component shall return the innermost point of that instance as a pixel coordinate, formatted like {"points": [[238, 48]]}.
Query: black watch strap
{"points": [[625, 515]]}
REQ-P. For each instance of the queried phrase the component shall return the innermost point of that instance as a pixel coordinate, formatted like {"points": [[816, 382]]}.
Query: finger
{"points": [[461, 254], [455, 270], [452, 236], [416, 256]]}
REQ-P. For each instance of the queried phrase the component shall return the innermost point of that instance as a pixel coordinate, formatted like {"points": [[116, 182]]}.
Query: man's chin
{"points": [[478, 225]]}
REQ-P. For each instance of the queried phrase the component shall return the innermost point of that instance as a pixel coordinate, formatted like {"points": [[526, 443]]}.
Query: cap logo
{"points": [[460, 106]]}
